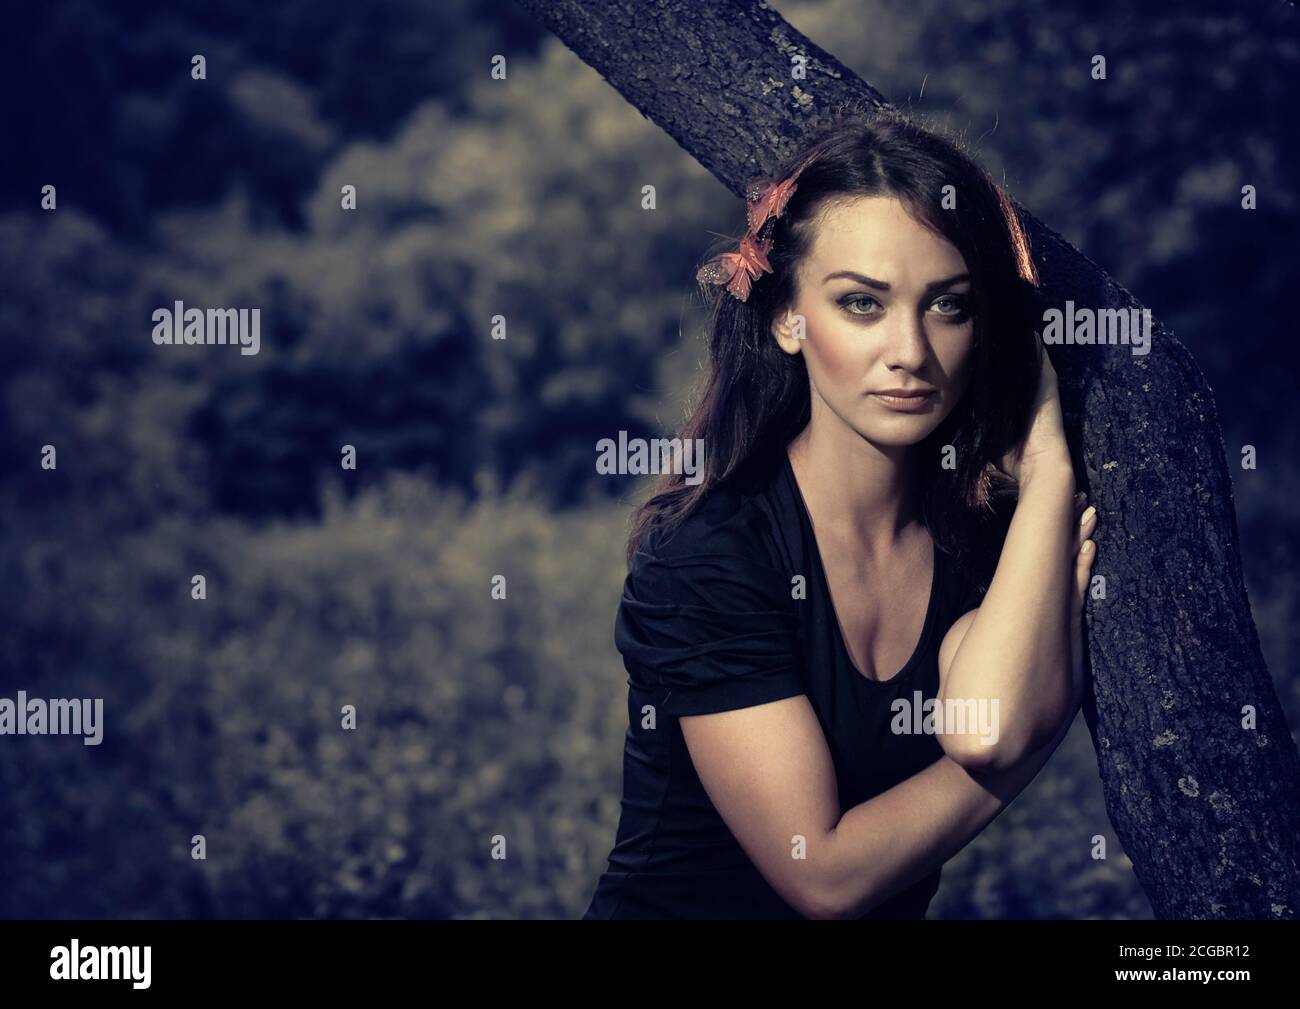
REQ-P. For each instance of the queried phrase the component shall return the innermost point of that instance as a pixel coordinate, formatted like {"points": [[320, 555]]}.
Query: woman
{"points": [[789, 621]]}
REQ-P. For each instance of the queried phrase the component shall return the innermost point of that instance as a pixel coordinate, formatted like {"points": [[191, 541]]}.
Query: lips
{"points": [[905, 400]]}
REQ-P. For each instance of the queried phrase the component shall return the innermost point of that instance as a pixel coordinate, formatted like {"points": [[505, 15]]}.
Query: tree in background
{"points": [[1193, 748]]}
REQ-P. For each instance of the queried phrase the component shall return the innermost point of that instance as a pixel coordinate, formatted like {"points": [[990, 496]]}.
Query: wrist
{"points": [[1054, 473]]}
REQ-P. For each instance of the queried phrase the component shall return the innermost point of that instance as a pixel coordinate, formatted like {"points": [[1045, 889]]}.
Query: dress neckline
{"points": [[913, 660]]}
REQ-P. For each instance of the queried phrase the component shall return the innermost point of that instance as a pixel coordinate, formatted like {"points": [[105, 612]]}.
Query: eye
{"points": [[958, 307], [855, 299]]}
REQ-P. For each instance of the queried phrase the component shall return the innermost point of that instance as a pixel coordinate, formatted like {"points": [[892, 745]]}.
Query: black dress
{"points": [[710, 621]]}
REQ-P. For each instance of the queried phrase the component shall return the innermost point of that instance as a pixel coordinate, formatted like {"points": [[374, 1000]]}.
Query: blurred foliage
{"points": [[480, 198], [475, 716]]}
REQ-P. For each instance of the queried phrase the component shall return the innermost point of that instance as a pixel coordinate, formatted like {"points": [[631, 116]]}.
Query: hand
{"points": [[1085, 522], [1044, 442], [1085, 552]]}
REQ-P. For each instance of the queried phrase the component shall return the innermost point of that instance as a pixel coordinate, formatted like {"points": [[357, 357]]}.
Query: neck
{"points": [[852, 487]]}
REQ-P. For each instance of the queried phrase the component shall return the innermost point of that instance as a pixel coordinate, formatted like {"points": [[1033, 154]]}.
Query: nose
{"points": [[906, 345]]}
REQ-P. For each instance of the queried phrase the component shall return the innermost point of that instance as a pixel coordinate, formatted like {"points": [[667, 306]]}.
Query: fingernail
{"points": [[1083, 520], [1087, 547]]}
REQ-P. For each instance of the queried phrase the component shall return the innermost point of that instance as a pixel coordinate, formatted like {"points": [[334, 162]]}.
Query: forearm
{"points": [[889, 842], [1015, 656]]}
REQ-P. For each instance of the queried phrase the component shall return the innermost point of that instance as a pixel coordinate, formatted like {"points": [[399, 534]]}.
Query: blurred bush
{"points": [[475, 717], [476, 199]]}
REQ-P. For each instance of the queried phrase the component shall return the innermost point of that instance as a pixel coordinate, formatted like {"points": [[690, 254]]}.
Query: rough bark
{"points": [[1206, 808]]}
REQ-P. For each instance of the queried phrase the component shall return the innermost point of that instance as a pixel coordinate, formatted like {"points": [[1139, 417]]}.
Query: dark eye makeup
{"points": [[960, 313]]}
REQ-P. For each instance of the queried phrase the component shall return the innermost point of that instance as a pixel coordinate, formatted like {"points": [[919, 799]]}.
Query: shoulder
{"points": [[708, 612], [728, 522], [724, 548]]}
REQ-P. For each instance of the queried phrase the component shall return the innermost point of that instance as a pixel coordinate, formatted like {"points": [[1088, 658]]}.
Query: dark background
{"points": [[477, 198]]}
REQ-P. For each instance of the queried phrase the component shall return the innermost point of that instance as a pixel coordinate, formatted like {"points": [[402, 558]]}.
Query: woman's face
{"points": [[888, 332]]}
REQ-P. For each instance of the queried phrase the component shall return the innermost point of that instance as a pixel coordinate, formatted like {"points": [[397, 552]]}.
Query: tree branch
{"points": [[1206, 809]]}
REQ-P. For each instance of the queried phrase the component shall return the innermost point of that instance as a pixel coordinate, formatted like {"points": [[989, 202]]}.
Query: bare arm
{"points": [[1014, 654], [769, 773], [915, 827]]}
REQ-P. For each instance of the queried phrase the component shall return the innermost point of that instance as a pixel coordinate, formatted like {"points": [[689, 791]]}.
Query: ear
{"points": [[788, 330]]}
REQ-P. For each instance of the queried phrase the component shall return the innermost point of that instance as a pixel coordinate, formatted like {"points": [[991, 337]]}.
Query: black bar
{"points": [[334, 958]]}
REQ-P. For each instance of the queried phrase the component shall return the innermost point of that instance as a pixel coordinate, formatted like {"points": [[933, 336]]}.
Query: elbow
{"points": [[827, 898], [1004, 749], [975, 754], [818, 903], [822, 894], [819, 911], [973, 734], [825, 907], [839, 904]]}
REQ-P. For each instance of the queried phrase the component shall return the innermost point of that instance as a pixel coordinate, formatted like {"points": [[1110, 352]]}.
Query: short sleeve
{"points": [[714, 626]]}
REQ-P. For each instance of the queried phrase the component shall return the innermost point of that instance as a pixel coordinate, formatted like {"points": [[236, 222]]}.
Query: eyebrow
{"points": [[881, 285]]}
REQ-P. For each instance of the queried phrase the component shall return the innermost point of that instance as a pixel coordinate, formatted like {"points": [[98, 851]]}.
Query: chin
{"points": [[895, 437], [900, 431]]}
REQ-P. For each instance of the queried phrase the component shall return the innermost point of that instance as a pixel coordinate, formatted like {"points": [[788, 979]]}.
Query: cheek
{"points": [[834, 357], [957, 359]]}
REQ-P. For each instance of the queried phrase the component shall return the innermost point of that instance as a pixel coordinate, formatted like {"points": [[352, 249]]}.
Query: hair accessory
{"points": [[767, 199], [738, 270]]}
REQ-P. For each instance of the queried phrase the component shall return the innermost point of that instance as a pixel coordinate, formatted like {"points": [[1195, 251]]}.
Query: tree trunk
{"points": [[1204, 803]]}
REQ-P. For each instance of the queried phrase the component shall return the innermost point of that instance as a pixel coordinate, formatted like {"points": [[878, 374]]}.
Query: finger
{"points": [[1083, 572], [1084, 527]]}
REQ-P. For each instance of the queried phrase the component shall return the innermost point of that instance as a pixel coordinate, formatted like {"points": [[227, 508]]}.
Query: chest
{"points": [[879, 611]]}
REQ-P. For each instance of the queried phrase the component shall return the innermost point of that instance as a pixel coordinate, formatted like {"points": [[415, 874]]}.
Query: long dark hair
{"points": [[756, 397]]}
